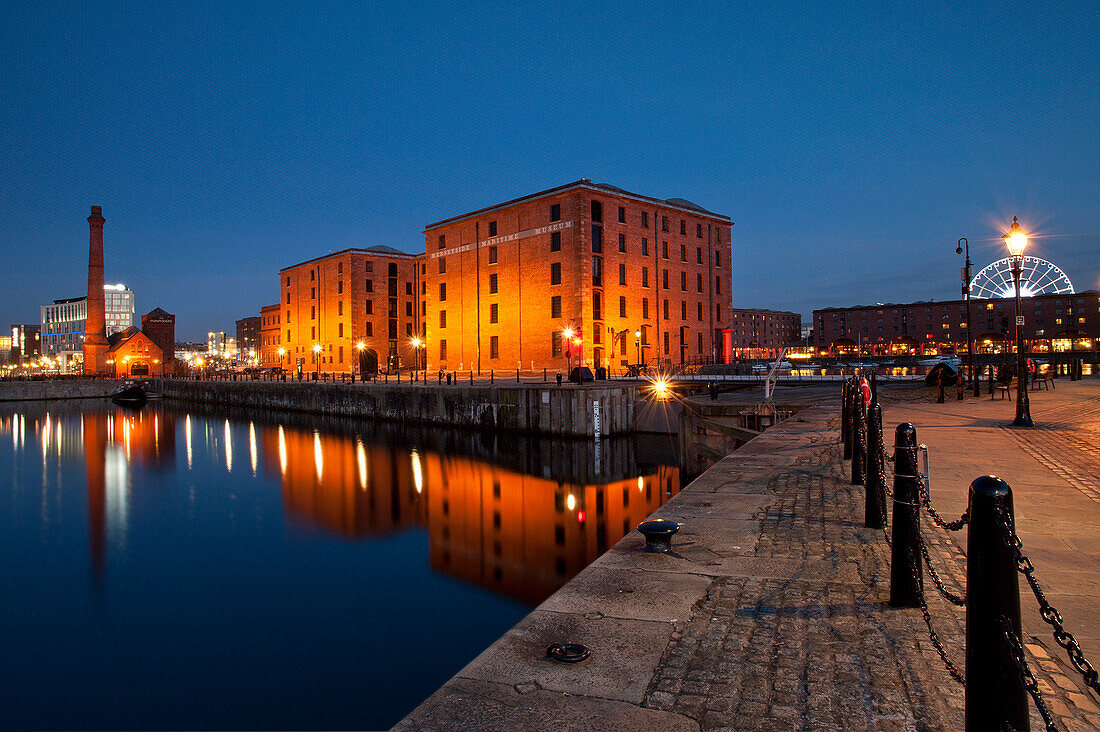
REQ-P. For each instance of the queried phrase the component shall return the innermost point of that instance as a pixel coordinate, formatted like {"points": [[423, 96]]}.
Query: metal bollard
{"points": [[517, 376], [939, 385], [846, 419], [544, 376], [990, 381], [874, 512], [859, 439], [492, 377], [906, 577], [471, 376], [995, 696]]}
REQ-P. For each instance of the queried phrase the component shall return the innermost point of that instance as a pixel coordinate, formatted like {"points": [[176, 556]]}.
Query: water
{"points": [[177, 568]]}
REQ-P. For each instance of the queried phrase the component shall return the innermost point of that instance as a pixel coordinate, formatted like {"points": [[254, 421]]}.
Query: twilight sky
{"points": [[851, 143]]}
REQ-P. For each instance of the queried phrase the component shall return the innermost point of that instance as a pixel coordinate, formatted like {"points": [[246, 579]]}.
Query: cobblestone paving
{"points": [[812, 651], [1071, 450]]}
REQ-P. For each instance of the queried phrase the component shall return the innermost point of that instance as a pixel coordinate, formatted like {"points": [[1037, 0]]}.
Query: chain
{"points": [[948, 594], [1026, 676], [936, 643], [926, 499], [1047, 611]]}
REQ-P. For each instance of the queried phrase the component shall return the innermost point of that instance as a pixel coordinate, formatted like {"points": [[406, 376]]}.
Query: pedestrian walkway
{"points": [[771, 613]]}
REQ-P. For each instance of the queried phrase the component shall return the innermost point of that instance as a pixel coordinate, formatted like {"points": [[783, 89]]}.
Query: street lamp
{"points": [[417, 344], [638, 345], [568, 335], [359, 358], [1016, 240], [316, 359], [964, 245]]}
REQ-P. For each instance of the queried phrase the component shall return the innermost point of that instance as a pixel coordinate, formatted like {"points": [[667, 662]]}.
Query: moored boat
{"points": [[131, 396]]}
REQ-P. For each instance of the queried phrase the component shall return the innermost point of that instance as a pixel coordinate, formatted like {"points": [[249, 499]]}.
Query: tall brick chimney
{"points": [[95, 328]]}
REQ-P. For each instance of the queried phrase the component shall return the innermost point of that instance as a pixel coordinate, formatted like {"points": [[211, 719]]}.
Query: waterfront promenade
{"points": [[772, 611]]}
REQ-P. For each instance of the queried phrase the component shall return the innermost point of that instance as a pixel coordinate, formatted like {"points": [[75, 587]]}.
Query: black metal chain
{"points": [[926, 499], [1047, 611], [948, 595], [1026, 676], [936, 643]]}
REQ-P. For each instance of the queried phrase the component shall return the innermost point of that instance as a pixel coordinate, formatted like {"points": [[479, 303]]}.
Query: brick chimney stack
{"points": [[95, 329]]}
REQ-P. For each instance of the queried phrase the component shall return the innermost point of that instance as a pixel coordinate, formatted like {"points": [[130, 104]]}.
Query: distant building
{"points": [[763, 333], [133, 353], [271, 339], [1056, 322], [64, 322], [248, 339], [25, 343], [160, 326]]}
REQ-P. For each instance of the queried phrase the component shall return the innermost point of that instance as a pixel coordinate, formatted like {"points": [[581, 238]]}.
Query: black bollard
{"points": [[492, 378], [846, 418], [544, 375], [939, 386], [448, 379], [875, 507], [990, 381], [995, 695], [859, 440], [906, 585], [471, 376], [959, 386], [517, 376]]}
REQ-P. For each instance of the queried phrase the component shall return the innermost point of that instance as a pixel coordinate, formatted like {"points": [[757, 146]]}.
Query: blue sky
{"points": [[851, 143]]}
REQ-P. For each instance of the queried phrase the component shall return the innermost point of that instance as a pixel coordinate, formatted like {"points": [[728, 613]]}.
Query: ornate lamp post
{"points": [[316, 359], [418, 344], [1016, 240], [568, 337], [359, 347], [964, 245], [638, 345]]}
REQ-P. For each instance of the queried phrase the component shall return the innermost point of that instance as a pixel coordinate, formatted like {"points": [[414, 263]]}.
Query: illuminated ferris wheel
{"points": [[1039, 277]]}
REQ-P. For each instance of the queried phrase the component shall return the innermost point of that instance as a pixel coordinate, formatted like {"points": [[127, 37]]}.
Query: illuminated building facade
{"points": [[271, 339], [132, 353], [64, 323], [248, 340], [26, 343], [501, 285], [353, 311], [1053, 323], [763, 333]]}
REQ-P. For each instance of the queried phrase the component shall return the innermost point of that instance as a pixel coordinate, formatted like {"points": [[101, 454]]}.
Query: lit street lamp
{"points": [[316, 359], [359, 358], [638, 345], [964, 245], [568, 333], [1016, 240], [418, 344]]}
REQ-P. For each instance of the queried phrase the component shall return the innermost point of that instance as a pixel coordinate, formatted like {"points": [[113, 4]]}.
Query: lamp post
{"points": [[417, 344], [1016, 240], [638, 344], [964, 245], [568, 333], [316, 360], [359, 358]]}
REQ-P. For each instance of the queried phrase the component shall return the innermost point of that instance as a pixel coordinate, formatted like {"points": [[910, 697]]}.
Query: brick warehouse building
{"points": [[330, 306], [763, 333], [502, 284], [1052, 323]]}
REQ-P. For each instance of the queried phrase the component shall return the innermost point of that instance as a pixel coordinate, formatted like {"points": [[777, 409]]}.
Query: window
{"points": [[597, 306], [622, 242], [393, 269], [370, 266], [666, 342], [717, 285], [683, 282], [442, 265], [494, 347], [699, 282], [555, 273], [664, 250], [493, 313], [312, 312], [717, 258], [555, 343], [368, 285], [622, 274], [369, 329], [339, 330], [555, 241], [313, 332], [622, 215], [492, 228], [597, 239], [340, 307], [718, 312], [699, 234], [493, 283], [664, 223], [700, 344], [313, 293], [442, 291], [408, 288], [645, 219], [645, 247], [370, 307], [597, 272], [288, 298], [664, 309], [645, 308], [555, 212], [645, 277], [312, 275], [664, 279], [442, 241], [408, 309], [683, 227], [493, 254], [443, 350], [288, 336], [288, 281], [700, 312], [555, 306], [683, 253], [683, 311], [597, 211], [622, 307]]}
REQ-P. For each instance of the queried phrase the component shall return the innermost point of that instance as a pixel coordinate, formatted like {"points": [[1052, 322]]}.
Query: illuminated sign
{"points": [[549, 228]]}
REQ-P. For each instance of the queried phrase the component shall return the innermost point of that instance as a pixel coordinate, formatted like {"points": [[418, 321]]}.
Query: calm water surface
{"points": [[197, 569]]}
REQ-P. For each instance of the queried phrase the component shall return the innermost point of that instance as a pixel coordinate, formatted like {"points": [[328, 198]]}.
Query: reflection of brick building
{"points": [[763, 333], [1052, 323], [333, 303], [160, 326], [502, 283]]}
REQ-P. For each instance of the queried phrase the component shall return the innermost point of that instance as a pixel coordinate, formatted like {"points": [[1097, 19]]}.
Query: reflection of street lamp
{"points": [[1016, 240], [964, 245], [638, 344], [316, 358]]}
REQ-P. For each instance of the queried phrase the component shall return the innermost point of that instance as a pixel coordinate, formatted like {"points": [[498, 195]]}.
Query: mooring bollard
{"points": [[906, 579], [939, 385], [995, 696], [990, 381], [517, 376], [859, 438], [492, 378], [846, 419], [875, 506], [471, 376]]}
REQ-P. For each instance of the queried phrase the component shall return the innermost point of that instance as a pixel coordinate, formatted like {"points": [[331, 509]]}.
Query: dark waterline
{"points": [[175, 568]]}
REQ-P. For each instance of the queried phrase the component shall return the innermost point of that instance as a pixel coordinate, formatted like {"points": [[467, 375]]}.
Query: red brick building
{"points": [[271, 340], [133, 353], [1052, 323], [160, 326], [353, 311], [763, 333], [501, 286]]}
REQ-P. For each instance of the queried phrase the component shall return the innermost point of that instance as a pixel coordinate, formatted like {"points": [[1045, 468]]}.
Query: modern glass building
{"points": [[63, 323]]}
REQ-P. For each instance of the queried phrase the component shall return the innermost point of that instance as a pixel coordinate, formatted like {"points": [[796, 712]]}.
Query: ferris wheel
{"points": [[1039, 277]]}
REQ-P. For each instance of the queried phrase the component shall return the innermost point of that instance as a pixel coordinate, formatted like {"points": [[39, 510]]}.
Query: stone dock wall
{"points": [[569, 410], [50, 389]]}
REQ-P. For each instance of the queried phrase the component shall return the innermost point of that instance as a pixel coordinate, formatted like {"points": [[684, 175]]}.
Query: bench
{"points": [[1043, 380], [1006, 389]]}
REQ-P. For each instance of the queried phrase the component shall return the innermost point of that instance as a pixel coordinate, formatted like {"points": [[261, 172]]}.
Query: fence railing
{"points": [[997, 679]]}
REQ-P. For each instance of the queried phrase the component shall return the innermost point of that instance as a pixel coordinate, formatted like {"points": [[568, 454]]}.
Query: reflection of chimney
{"points": [[95, 329], [94, 426]]}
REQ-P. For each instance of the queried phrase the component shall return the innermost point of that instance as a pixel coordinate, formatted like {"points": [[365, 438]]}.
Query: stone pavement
{"points": [[772, 611]]}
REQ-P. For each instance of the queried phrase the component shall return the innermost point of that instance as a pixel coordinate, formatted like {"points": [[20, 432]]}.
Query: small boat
{"points": [[131, 396], [951, 361]]}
